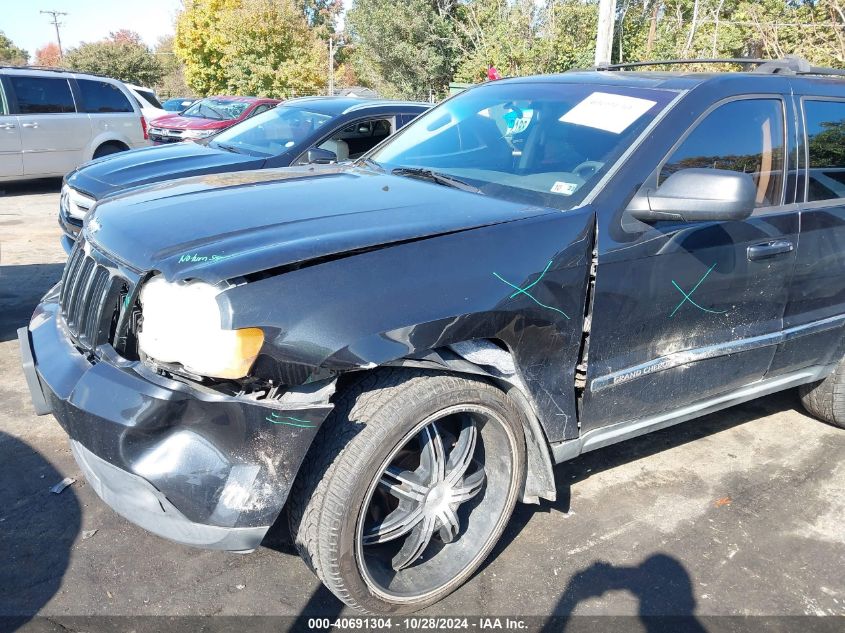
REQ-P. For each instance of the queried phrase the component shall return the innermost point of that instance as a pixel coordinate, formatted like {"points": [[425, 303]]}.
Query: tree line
{"points": [[415, 48]]}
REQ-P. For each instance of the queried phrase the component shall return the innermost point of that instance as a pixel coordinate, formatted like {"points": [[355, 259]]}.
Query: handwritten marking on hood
{"points": [[196, 258]]}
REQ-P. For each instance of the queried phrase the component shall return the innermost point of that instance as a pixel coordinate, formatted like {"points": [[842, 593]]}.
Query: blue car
{"points": [[177, 104]]}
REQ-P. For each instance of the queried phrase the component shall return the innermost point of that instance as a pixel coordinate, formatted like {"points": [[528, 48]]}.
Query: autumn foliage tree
{"points": [[48, 55], [255, 47]]}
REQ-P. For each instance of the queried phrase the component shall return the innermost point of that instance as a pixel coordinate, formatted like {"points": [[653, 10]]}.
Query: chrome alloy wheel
{"points": [[436, 503]]}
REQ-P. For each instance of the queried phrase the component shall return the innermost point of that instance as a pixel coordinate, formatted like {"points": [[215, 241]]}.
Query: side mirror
{"points": [[319, 156], [698, 195]]}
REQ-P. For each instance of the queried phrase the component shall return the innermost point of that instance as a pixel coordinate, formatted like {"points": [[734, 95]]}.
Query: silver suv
{"points": [[52, 121]]}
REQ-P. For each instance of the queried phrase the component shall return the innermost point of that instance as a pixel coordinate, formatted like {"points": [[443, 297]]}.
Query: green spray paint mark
{"points": [[524, 291], [275, 418], [688, 295]]}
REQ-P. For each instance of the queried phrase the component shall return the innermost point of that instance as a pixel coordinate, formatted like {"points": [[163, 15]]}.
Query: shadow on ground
{"points": [[37, 532], [29, 187], [21, 287], [661, 585], [579, 469]]}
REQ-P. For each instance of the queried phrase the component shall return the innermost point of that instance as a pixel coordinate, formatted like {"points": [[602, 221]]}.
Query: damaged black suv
{"points": [[397, 350]]}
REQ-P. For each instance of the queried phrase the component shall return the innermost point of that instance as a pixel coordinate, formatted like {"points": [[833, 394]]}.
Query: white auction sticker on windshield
{"points": [[565, 188], [609, 112]]}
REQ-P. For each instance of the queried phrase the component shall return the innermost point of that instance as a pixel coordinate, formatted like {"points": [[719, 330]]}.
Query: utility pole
{"points": [[604, 37], [331, 66], [56, 23], [332, 51]]}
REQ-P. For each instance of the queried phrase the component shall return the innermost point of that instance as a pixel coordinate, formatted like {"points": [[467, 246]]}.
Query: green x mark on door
{"points": [[688, 295]]}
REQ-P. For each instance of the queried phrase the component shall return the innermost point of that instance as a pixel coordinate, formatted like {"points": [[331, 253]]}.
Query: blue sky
{"points": [[87, 20]]}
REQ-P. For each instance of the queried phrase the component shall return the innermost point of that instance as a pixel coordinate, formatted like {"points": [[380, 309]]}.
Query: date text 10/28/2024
{"points": [[479, 623]]}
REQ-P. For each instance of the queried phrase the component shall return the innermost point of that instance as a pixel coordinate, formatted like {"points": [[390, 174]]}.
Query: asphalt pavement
{"points": [[738, 513]]}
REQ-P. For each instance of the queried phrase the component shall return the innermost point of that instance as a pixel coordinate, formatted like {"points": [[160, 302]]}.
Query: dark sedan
{"points": [[312, 129]]}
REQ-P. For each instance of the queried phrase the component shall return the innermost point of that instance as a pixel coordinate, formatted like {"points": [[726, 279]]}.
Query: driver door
{"points": [[685, 312]]}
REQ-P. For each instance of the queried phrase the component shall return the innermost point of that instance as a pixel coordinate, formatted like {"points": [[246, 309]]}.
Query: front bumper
{"points": [[193, 466]]}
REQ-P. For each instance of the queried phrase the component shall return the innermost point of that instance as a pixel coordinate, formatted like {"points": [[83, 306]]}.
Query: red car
{"points": [[206, 117]]}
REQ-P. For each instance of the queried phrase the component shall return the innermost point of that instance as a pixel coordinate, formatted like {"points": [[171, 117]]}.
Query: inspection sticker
{"points": [[565, 188], [609, 112]]}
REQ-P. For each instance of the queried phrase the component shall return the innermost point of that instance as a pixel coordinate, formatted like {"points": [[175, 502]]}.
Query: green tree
{"points": [[10, 54], [507, 34], [122, 56], [172, 83], [260, 47], [404, 49], [570, 29]]}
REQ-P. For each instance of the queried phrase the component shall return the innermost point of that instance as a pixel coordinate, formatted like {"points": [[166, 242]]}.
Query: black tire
{"points": [[825, 399], [341, 484], [108, 148]]}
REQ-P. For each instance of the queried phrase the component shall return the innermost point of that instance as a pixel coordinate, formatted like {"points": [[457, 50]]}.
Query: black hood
{"points": [[154, 164], [227, 225]]}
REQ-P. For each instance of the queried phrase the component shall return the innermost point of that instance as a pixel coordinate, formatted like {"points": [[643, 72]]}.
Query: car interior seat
{"points": [[339, 147]]}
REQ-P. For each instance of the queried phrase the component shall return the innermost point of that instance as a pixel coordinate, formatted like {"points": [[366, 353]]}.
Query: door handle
{"points": [[769, 249], [7, 126], [32, 125]]}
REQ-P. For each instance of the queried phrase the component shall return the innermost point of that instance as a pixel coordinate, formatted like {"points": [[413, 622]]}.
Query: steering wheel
{"points": [[587, 168]]}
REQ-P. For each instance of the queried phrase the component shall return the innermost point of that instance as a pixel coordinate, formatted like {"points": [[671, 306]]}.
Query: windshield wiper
{"points": [[436, 176], [228, 148], [369, 162]]}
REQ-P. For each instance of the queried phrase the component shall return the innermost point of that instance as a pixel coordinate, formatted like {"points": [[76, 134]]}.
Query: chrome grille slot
{"points": [[88, 298]]}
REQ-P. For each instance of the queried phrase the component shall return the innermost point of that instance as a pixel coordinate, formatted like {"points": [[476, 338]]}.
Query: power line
{"points": [[56, 23]]}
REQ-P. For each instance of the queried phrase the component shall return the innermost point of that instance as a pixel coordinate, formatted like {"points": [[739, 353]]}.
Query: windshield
{"points": [[545, 144], [217, 109], [273, 132], [176, 105]]}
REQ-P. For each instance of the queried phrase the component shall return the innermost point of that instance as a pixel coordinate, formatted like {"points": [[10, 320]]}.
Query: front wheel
{"points": [[408, 487]]}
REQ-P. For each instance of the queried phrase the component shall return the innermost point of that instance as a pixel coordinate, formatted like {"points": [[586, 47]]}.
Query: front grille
{"points": [[164, 135], [74, 204], [90, 298]]}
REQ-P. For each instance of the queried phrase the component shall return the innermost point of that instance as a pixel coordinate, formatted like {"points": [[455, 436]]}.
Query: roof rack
{"points": [[789, 65], [34, 67], [53, 69], [670, 62]]}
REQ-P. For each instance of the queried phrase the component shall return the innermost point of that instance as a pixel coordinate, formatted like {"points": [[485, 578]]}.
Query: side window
{"points": [[746, 136], [42, 95], [404, 119], [260, 108], [356, 139], [151, 98], [101, 96], [825, 123], [4, 104]]}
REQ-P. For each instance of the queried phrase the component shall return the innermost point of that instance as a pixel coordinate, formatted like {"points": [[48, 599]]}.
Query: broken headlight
{"points": [[181, 324]]}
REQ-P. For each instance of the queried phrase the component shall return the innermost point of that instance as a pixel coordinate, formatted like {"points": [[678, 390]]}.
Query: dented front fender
{"points": [[523, 283]]}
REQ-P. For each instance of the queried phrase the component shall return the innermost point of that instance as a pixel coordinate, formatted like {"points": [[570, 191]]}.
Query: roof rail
{"points": [[35, 67], [671, 62], [54, 69], [789, 65], [794, 65]]}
